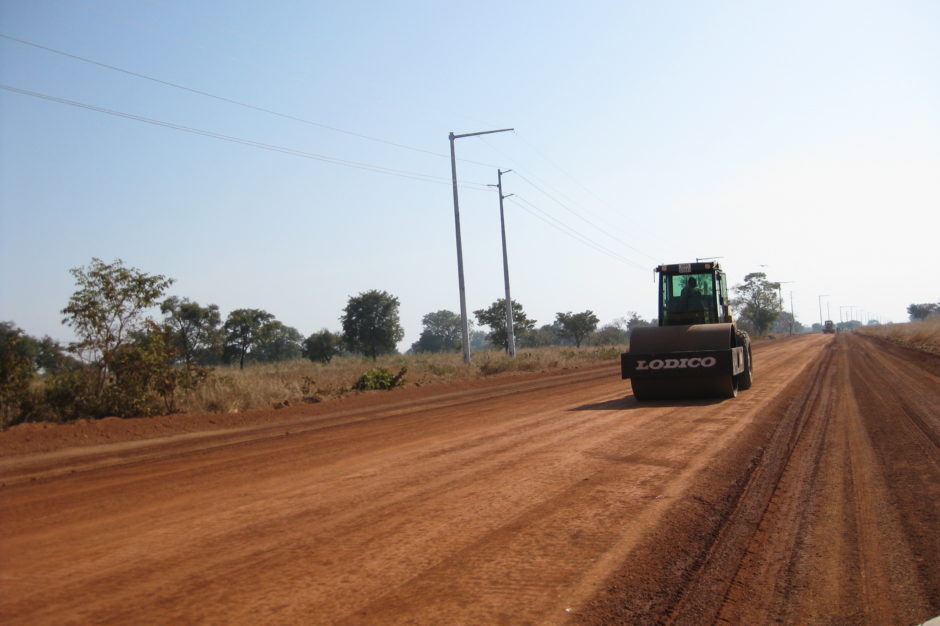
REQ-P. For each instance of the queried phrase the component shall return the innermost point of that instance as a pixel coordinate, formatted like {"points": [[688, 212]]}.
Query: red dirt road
{"points": [[814, 497]]}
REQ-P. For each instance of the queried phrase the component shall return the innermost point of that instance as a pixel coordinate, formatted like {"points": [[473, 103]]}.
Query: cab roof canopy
{"points": [[688, 268]]}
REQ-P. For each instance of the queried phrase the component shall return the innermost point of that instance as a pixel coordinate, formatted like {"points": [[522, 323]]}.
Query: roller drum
{"points": [[675, 362]]}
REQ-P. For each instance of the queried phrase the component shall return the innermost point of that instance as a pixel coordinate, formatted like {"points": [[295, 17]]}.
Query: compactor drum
{"points": [[696, 351]]}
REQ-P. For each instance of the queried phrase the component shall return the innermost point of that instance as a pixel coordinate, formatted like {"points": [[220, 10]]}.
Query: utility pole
{"points": [[845, 318], [510, 332], [820, 297], [792, 315], [465, 327], [780, 295]]}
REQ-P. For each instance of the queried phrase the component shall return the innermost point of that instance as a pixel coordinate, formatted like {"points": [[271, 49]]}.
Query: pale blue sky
{"points": [[801, 139]]}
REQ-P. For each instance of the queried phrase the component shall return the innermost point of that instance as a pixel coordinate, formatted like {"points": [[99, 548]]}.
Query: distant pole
{"points": [[465, 326], [825, 295], [792, 315], [845, 317], [510, 332], [780, 295]]}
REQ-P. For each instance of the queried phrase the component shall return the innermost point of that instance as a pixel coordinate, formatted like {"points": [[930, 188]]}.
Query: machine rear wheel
{"points": [[745, 378]]}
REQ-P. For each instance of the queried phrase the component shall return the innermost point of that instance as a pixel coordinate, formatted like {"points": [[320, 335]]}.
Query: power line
{"points": [[247, 142], [604, 231], [585, 220], [551, 162], [554, 222], [470, 185], [333, 160], [236, 102]]}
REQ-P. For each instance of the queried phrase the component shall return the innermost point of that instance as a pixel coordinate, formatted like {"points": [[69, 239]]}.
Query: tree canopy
{"points": [[758, 302], [243, 332], [442, 333], [16, 370], [278, 342], [923, 311], [323, 346], [196, 332], [577, 326], [495, 317], [107, 309], [370, 323], [545, 335]]}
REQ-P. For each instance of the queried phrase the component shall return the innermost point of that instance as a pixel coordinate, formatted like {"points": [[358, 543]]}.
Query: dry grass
{"points": [[924, 335], [231, 390]]}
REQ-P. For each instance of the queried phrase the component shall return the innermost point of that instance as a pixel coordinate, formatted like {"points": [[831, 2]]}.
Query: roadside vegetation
{"points": [[126, 362], [275, 385], [140, 351], [922, 334]]}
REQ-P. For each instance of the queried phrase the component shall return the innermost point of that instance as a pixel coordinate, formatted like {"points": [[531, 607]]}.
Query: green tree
{"points": [[616, 333], [17, 370], [758, 302], [923, 311], [610, 335], [636, 321], [322, 346], [277, 342], [109, 306], [495, 317], [848, 325], [545, 335], [243, 332], [786, 323], [196, 332], [577, 326], [370, 323], [144, 380], [442, 333], [51, 357], [479, 341]]}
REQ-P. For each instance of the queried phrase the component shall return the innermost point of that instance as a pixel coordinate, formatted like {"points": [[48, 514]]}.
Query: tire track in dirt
{"points": [[898, 392], [720, 516], [829, 517], [798, 436], [831, 540]]}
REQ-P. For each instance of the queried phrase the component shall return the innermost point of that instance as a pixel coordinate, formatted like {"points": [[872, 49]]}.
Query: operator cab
{"points": [[693, 293]]}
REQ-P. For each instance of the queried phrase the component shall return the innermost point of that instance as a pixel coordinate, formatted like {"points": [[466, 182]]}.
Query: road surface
{"points": [[814, 497]]}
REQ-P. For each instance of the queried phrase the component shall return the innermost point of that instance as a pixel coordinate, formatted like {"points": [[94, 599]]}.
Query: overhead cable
{"points": [[554, 222], [248, 142], [605, 231], [584, 219], [236, 102], [551, 162]]}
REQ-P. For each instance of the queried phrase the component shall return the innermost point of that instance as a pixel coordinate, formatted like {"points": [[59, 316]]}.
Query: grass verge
{"points": [[230, 390], [923, 335]]}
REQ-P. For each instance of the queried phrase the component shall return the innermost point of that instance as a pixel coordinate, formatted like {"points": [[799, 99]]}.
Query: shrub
{"points": [[380, 378], [525, 363], [70, 394]]}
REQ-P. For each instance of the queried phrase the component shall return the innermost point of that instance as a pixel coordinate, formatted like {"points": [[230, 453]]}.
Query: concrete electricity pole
{"points": [[821, 296], [510, 333], [465, 327]]}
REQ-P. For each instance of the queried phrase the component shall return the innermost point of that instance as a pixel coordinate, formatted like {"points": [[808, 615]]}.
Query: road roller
{"points": [[696, 350]]}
